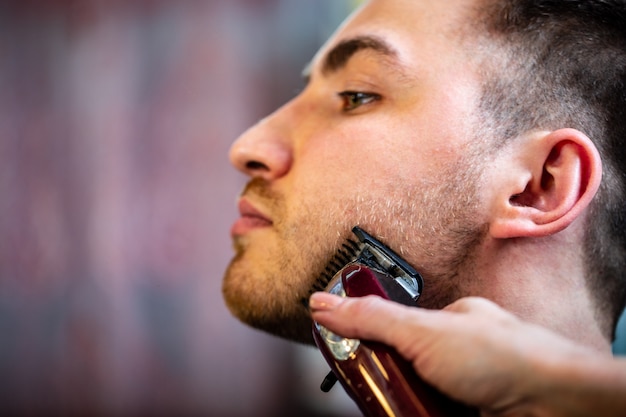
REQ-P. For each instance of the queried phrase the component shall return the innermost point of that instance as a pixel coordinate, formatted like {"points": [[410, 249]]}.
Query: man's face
{"points": [[382, 137]]}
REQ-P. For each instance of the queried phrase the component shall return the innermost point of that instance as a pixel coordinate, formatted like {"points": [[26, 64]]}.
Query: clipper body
{"points": [[375, 376]]}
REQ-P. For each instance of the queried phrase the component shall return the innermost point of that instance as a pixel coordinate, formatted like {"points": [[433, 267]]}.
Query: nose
{"points": [[263, 150]]}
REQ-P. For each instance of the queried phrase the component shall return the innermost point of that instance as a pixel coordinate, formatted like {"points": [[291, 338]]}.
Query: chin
{"points": [[294, 325], [263, 295], [271, 310]]}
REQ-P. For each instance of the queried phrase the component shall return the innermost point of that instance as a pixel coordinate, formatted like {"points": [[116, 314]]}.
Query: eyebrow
{"points": [[339, 56]]}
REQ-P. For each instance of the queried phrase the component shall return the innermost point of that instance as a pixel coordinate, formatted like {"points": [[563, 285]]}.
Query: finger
{"points": [[477, 309], [371, 318]]}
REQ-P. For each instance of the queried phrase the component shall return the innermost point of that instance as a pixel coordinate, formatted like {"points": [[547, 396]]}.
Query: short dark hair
{"points": [[562, 63]]}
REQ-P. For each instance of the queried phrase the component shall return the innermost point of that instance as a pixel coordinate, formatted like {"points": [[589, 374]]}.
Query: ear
{"points": [[548, 181]]}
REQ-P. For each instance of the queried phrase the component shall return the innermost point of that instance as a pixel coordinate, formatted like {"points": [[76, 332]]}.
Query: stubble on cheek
{"points": [[273, 271]]}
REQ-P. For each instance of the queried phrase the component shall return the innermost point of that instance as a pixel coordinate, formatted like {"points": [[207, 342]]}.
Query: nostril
{"points": [[256, 166]]}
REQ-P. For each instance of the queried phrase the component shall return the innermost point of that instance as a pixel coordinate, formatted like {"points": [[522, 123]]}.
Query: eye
{"points": [[355, 99]]}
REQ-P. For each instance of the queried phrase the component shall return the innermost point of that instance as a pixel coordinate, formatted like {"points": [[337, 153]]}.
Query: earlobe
{"points": [[552, 179]]}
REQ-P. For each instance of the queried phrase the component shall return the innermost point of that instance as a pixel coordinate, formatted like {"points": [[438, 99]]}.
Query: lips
{"points": [[250, 219]]}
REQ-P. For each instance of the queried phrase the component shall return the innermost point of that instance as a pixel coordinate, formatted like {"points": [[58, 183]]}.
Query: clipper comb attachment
{"points": [[375, 376]]}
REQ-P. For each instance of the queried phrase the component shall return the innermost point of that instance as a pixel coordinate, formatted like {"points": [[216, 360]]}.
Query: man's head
{"points": [[398, 131]]}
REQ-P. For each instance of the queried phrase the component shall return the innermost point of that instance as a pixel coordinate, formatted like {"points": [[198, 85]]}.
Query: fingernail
{"points": [[323, 301]]}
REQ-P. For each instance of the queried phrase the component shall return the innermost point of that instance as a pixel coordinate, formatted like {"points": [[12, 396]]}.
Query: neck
{"points": [[542, 283]]}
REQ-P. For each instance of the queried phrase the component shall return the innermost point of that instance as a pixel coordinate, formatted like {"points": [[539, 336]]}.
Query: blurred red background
{"points": [[116, 198]]}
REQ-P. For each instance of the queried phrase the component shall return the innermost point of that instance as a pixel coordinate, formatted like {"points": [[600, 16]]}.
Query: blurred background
{"points": [[116, 198]]}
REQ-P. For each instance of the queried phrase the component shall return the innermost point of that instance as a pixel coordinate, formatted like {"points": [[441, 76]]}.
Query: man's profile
{"points": [[482, 139]]}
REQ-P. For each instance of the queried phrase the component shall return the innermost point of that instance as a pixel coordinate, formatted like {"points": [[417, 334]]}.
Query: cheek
{"points": [[360, 150], [330, 164]]}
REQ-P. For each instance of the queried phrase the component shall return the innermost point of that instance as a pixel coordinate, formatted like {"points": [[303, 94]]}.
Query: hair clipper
{"points": [[374, 375]]}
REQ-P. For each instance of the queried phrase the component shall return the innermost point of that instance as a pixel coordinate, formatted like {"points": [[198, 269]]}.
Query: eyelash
{"points": [[352, 100]]}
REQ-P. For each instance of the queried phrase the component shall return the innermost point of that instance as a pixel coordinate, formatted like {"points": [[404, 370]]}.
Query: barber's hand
{"points": [[473, 351]]}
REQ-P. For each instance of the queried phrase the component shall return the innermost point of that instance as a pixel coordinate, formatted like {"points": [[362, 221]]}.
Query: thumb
{"points": [[370, 317]]}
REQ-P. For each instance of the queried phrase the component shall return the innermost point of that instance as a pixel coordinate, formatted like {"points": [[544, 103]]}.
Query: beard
{"points": [[434, 224]]}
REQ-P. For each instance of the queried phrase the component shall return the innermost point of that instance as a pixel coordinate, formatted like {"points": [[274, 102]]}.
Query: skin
{"points": [[397, 161]]}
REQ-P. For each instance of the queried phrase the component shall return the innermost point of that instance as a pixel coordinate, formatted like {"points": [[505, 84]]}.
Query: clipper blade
{"points": [[404, 283]]}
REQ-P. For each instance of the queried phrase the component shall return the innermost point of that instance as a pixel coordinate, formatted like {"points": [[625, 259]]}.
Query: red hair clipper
{"points": [[375, 376]]}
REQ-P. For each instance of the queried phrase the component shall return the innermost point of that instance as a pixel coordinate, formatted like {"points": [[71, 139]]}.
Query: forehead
{"points": [[423, 30]]}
